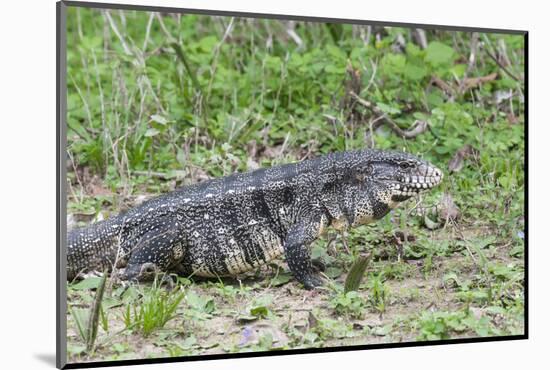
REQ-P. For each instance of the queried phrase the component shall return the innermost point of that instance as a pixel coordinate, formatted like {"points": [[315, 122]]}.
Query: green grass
{"points": [[153, 311], [160, 101]]}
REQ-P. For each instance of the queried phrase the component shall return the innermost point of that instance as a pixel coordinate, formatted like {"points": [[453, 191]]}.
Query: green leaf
{"points": [[438, 53], [356, 273], [266, 341], [333, 69], [88, 283], [281, 279], [435, 98], [244, 318], [189, 342], [119, 347], [81, 317], [151, 132], [333, 272], [388, 109], [79, 129], [336, 52], [431, 225], [207, 43], [458, 70], [415, 72], [75, 349], [159, 119], [310, 337], [260, 311], [200, 303]]}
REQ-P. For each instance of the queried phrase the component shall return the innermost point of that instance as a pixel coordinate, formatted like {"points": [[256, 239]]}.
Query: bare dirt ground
{"points": [[296, 318]]}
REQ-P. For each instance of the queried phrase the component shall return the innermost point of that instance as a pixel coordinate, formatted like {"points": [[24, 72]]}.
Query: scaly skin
{"points": [[230, 225]]}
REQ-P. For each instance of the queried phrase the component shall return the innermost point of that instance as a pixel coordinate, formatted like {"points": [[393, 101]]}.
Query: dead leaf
{"points": [[476, 81], [442, 85], [448, 209], [273, 152], [456, 163], [512, 118], [252, 148], [416, 129]]}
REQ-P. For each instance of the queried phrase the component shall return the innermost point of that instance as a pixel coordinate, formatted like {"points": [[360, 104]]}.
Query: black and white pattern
{"points": [[231, 225]]}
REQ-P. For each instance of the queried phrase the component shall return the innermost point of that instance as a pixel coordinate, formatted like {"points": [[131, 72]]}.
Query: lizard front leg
{"points": [[298, 254]]}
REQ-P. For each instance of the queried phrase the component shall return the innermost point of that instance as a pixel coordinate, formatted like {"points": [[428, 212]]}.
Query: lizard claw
{"points": [[319, 264], [312, 281]]}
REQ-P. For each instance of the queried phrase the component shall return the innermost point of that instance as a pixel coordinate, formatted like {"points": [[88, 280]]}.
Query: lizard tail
{"points": [[93, 246]]}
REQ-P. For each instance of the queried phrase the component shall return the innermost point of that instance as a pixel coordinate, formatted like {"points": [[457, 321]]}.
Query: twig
{"points": [[474, 81], [147, 32], [164, 29], [371, 129], [138, 60], [420, 36], [84, 102], [162, 175], [442, 85], [416, 129], [81, 197], [114, 27], [495, 59], [103, 115], [183, 58], [292, 309], [373, 75], [366, 37], [293, 35], [471, 62]]}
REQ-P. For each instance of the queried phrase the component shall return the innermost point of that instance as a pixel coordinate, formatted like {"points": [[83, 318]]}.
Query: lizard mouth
{"points": [[423, 180]]}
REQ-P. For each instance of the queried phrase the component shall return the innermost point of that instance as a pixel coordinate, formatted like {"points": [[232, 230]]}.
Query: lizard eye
{"points": [[405, 165]]}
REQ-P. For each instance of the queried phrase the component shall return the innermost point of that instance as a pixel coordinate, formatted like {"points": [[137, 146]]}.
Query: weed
{"points": [[153, 311], [378, 293], [87, 321], [442, 325], [327, 328], [348, 304]]}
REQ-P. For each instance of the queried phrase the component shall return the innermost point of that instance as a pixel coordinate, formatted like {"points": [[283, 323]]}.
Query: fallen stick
{"points": [[416, 129]]}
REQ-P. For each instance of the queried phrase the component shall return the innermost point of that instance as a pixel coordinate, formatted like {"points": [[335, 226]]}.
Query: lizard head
{"points": [[403, 175], [140, 272], [372, 182]]}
